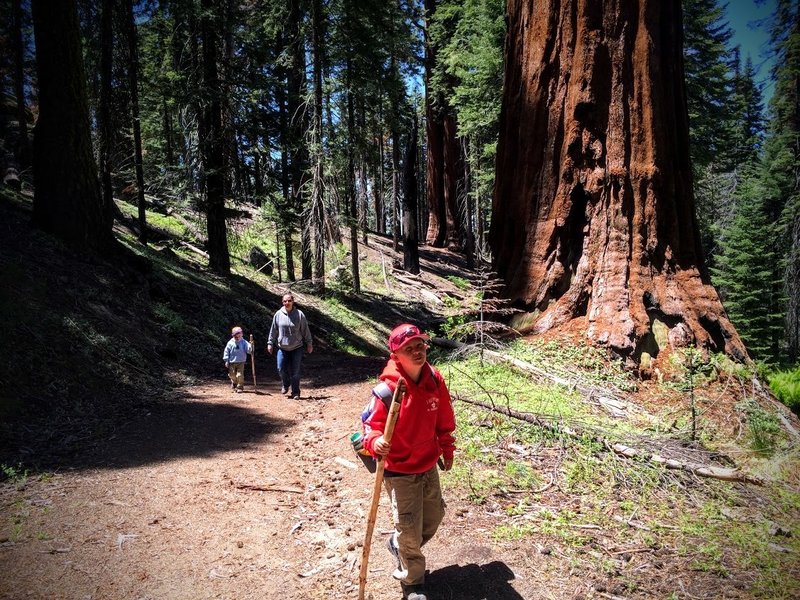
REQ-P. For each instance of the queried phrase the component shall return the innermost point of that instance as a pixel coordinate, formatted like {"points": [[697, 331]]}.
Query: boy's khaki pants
{"points": [[417, 511], [236, 373]]}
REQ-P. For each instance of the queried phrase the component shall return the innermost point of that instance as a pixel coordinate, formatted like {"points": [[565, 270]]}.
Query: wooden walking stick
{"points": [[394, 410], [253, 361]]}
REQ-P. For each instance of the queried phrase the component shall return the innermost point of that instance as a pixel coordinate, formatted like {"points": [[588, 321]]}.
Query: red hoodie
{"points": [[424, 427]]}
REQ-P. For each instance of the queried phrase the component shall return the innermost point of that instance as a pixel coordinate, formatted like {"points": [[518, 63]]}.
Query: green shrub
{"points": [[764, 427], [786, 386]]}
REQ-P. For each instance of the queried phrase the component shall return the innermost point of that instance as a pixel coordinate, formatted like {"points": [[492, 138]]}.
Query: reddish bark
{"points": [[593, 207], [445, 165], [434, 172]]}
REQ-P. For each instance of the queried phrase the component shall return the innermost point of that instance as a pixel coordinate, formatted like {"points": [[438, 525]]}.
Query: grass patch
{"points": [[459, 282], [166, 223], [357, 326], [571, 361]]}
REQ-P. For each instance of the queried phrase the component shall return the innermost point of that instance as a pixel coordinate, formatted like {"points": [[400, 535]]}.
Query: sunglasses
{"points": [[405, 334]]}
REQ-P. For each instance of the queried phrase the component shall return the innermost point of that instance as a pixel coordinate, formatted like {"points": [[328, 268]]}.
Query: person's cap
{"points": [[236, 330], [402, 334]]}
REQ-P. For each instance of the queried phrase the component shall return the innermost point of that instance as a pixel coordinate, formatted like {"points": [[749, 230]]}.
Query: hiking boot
{"points": [[284, 391], [391, 544], [239, 390], [413, 592], [296, 397]]}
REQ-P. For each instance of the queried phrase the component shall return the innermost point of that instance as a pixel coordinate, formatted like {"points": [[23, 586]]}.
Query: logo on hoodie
{"points": [[433, 404]]}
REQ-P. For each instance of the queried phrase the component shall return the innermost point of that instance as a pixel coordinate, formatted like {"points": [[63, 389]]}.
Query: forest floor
{"points": [[252, 495], [181, 489]]}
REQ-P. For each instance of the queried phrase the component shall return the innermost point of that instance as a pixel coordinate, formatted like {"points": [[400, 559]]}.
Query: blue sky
{"points": [[747, 19]]}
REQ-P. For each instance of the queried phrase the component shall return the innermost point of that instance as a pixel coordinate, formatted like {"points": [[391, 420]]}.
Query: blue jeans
{"points": [[289, 362]]}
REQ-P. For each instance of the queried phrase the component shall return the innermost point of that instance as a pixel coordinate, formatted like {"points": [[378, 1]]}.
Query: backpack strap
{"points": [[434, 376], [384, 392]]}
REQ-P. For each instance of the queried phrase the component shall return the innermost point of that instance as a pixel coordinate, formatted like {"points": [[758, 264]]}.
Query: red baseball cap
{"points": [[402, 334]]}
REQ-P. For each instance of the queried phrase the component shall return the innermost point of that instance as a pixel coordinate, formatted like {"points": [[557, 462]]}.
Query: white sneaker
{"points": [[391, 544], [413, 592]]}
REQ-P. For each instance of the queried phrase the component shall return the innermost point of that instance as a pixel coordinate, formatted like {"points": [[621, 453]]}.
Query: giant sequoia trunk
{"points": [[593, 207]]}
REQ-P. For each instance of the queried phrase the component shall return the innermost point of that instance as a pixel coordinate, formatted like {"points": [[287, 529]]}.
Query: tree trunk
{"points": [[363, 200], [593, 207], [445, 167], [410, 237], [133, 83], [169, 144], [296, 84], [230, 156], [318, 190], [378, 192], [67, 200], [454, 185], [791, 216], [352, 206], [285, 210], [214, 145], [104, 125], [395, 187], [195, 85], [466, 215], [23, 152], [434, 176]]}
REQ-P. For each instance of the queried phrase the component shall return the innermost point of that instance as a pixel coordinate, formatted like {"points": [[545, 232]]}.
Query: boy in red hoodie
{"points": [[423, 433]]}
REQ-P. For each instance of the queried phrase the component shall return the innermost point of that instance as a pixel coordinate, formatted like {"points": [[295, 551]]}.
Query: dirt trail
{"points": [[237, 496]]}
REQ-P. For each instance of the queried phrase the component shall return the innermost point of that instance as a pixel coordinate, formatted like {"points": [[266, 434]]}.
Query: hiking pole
{"points": [[253, 361], [394, 410]]}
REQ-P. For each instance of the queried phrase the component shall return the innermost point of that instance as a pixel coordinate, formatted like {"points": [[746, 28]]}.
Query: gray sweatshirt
{"points": [[289, 330], [236, 352]]}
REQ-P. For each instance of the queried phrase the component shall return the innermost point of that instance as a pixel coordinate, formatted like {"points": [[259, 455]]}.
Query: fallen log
{"points": [[711, 471], [701, 470]]}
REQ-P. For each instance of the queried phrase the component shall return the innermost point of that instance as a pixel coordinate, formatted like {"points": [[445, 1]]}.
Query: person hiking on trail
{"points": [[289, 333], [423, 433], [235, 357]]}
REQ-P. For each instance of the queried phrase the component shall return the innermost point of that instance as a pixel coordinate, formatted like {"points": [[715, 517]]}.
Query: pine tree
{"points": [[747, 136], [710, 85], [749, 273], [708, 80], [469, 70], [783, 159]]}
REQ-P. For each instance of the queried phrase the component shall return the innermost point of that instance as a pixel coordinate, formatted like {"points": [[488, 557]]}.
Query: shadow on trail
{"points": [[192, 428], [110, 339], [321, 368], [473, 582], [195, 426]]}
